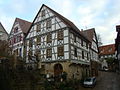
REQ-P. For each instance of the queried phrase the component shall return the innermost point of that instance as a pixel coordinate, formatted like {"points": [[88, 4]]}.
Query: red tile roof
{"points": [[107, 49]]}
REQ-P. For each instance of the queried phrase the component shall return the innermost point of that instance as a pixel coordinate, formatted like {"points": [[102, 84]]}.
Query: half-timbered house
{"points": [[91, 35], [17, 34], [57, 44]]}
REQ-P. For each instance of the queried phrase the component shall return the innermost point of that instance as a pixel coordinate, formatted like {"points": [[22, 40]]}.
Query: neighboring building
{"points": [[91, 35], [17, 34], [3, 33], [106, 52], [58, 44], [117, 45]]}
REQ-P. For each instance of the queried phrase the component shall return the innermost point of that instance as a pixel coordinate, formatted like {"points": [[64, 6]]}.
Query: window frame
{"points": [[60, 35], [60, 50], [49, 53], [48, 23]]}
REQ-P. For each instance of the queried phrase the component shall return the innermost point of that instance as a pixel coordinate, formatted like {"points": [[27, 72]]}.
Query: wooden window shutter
{"points": [[48, 23], [49, 38], [30, 43], [38, 27], [60, 35], [61, 51], [74, 38], [81, 42], [49, 53], [38, 54], [43, 13], [82, 54], [75, 52], [38, 40]]}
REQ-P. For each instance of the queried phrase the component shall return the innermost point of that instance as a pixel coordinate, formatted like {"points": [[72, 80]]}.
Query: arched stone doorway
{"points": [[58, 69]]}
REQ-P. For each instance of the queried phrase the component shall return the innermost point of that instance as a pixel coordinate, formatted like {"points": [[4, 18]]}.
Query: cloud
{"points": [[7, 22], [103, 15]]}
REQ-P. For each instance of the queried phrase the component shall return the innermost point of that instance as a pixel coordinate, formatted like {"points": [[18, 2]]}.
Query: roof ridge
{"points": [[107, 45], [68, 22], [23, 20]]}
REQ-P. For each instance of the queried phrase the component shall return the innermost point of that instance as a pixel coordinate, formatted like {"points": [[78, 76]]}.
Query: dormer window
{"points": [[43, 13]]}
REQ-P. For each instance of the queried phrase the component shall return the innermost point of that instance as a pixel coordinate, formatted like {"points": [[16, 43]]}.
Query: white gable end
{"points": [[55, 21]]}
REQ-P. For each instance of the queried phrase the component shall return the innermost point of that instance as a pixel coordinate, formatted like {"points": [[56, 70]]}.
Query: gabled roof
{"points": [[24, 25], [3, 28], [89, 33], [65, 20], [107, 49]]}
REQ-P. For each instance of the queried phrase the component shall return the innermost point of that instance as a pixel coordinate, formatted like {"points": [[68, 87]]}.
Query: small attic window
{"points": [[16, 30], [43, 13]]}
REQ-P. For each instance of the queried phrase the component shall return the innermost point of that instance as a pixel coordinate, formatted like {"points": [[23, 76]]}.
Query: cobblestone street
{"points": [[106, 81]]}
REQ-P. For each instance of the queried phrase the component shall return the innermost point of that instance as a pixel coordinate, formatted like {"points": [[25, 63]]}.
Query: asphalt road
{"points": [[106, 81]]}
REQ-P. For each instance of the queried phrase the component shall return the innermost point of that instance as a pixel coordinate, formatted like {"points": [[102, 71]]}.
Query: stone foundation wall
{"points": [[75, 71]]}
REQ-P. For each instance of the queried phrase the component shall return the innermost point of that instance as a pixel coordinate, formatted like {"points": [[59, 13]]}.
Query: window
{"points": [[82, 54], [37, 54], [49, 38], [74, 38], [29, 54], [19, 38], [38, 27], [38, 40], [15, 39], [75, 52], [1, 33], [16, 51], [60, 35], [87, 45], [87, 57], [43, 13], [110, 49], [16, 30], [82, 43], [49, 53], [30, 43], [60, 51], [20, 52], [48, 24]]}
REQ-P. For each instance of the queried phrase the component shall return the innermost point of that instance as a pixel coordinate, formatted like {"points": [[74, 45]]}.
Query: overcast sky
{"points": [[103, 15]]}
